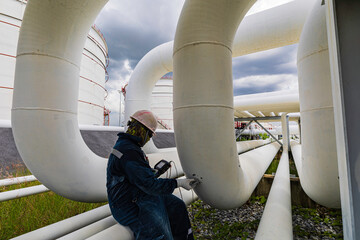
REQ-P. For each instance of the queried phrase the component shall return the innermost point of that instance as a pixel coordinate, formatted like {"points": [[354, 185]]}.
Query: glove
{"points": [[187, 183]]}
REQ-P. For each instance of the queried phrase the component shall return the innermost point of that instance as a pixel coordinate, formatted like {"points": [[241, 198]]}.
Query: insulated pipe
{"points": [[66, 226], [319, 177], [22, 192], [276, 27], [276, 221], [285, 132], [114, 232], [287, 100], [296, 152], [50, 143], [244, 146], [46, 86], [203, 98], [153, 66], [91, 229], [17, 180]]}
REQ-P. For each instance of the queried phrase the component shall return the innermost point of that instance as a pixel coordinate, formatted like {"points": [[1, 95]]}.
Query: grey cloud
{"points": [[255, 89], [275, 61], [134, 27]]}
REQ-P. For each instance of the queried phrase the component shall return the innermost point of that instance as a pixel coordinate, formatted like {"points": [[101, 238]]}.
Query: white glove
{"points": [[187, 183]]}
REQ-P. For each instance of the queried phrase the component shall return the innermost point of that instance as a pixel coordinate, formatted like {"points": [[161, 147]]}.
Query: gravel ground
{"points": [[242, 223]]}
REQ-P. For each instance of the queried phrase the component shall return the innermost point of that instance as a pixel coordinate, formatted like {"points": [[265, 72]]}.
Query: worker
{"points": [[136, 197]]}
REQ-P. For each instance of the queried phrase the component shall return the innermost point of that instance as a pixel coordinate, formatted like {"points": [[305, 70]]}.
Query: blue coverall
{"points": [[139, 200]]}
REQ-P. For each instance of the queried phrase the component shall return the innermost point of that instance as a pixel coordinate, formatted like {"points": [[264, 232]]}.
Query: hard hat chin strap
{"points": [[145, 139]]}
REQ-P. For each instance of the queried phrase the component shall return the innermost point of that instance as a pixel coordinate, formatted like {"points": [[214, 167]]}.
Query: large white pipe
{"points": [[45, 98], [91, 229], [319, 177], [46, 86], [68, 225], [244, 146], [148, 71], [279, 101], [276, 27], [114, 232], [203, 94], [273, 28], [53, 64], [276, 221]]}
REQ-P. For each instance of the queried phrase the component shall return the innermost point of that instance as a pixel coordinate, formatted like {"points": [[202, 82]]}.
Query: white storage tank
{"points": [[93, 73], [162, 101]]}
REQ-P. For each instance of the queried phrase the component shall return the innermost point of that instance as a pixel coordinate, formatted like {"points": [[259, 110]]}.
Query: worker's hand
{"points": [[187, 183]]}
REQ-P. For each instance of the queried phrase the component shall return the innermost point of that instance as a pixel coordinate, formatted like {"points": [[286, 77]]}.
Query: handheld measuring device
{"points": [[161, 167]]}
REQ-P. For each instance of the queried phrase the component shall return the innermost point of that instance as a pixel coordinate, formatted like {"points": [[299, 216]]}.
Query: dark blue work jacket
{"points": [[130, 179]]}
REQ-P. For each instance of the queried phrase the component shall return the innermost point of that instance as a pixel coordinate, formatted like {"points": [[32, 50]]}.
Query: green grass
{"points": [[206, 217], [320, 215], [207, 222], [275, 163], [26, 214]]}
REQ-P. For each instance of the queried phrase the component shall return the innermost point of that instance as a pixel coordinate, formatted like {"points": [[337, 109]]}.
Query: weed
{"points": [[26, 214]]}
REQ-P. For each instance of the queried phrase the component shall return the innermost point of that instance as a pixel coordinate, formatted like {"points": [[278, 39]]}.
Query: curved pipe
{"points": [[276, 27], [51, 40], [45, 98], [150, 68], [203, 94], [319, 175]]}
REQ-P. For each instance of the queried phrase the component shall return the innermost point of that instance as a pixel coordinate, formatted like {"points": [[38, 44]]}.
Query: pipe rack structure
{"points": [[201, 56]]}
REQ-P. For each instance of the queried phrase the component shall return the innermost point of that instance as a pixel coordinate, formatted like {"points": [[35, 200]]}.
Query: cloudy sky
{"points": [[134, 27]]}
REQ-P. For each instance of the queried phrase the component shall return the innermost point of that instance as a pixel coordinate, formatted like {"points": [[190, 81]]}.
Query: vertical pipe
{"points": [[320, 177], [203, 99], [285, 131]]}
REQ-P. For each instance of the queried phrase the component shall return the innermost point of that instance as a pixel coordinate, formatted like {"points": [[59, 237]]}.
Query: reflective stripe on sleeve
{"points": [[117, 153]]}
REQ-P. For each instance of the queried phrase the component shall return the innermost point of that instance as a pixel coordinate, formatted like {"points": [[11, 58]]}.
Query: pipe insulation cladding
{"points": [[319, 175], [272, 28], [44, 123], [203, 98]]}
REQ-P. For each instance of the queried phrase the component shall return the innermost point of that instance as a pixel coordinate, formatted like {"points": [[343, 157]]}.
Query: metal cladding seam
{"points": [[203, 100], [319, 176], [49, 52], [159, 61]]}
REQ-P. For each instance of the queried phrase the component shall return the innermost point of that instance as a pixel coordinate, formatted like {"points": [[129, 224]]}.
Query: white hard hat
{"points": [[146, 118]]}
